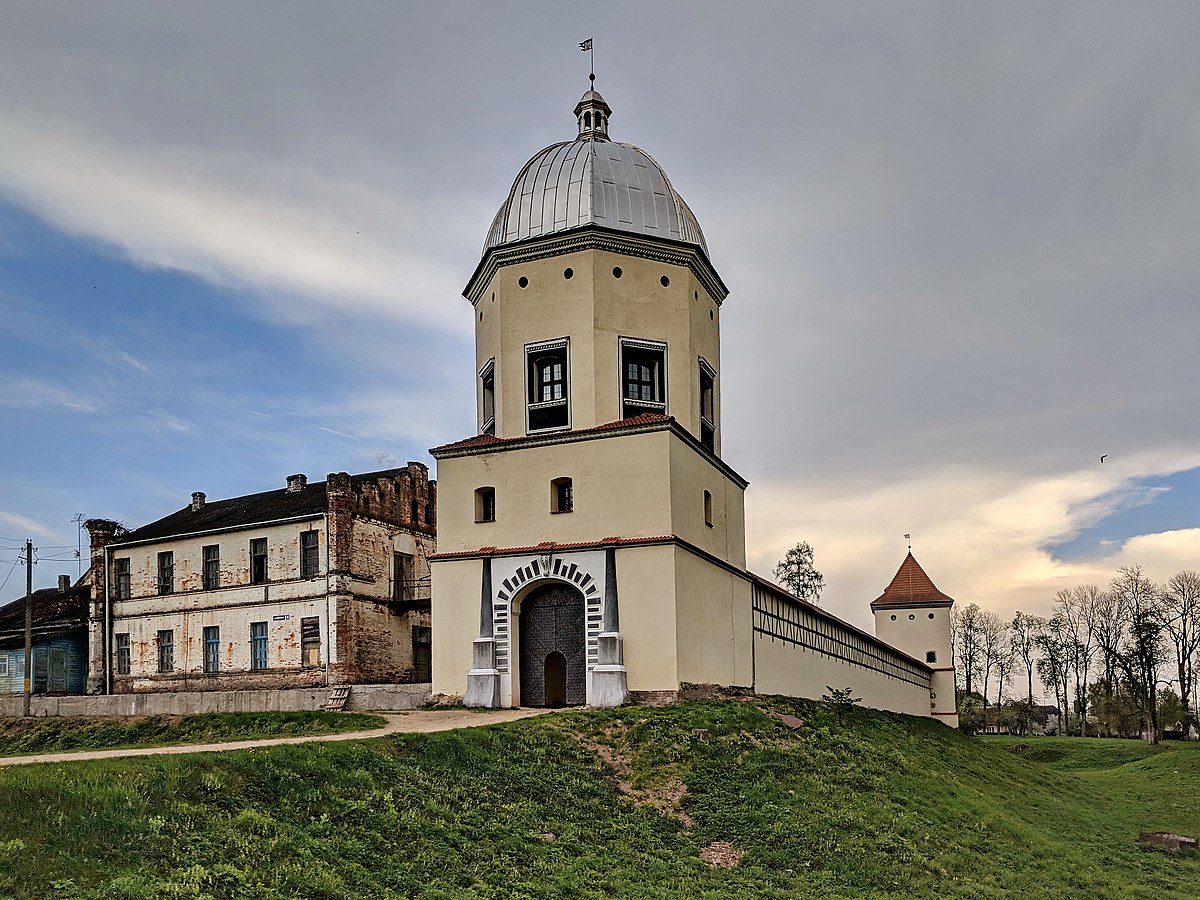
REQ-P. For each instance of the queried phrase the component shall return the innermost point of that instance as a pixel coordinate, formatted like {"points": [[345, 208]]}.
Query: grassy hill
{"points": [[705, 799]]}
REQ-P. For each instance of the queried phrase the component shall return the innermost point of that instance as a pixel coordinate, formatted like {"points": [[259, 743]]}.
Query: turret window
{"points": [[547, 374], [643, 377], [487, 391], [708, 419], [930, 656]]}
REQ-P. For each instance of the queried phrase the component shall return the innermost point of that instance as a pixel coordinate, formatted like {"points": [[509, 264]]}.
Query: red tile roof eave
{"points": [[487, 440]]}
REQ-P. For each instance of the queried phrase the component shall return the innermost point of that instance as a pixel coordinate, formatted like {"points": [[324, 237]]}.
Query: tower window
{"points": [[547, 374], [643, 381], [562, 495], [930, 656], [708, 419], [616, 271], [708, 517], [523, 281], [568, 273], [487, 392], [485, 504], [665, 281], [587, 120]]}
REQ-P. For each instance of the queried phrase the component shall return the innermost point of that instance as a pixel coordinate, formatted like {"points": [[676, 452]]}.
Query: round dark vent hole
{"points": [[523, 281], [568, 274], [665, 281], [616, 271]]}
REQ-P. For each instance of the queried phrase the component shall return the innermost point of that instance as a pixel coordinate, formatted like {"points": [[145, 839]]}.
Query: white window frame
{"points": [[659, 406], [563, 343]]}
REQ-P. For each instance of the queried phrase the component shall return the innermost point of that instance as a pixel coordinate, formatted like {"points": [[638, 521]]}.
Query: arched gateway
{"points": [[553, 647]]}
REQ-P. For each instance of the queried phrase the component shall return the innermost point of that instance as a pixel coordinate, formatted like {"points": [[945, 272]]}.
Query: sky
{"points": [[962, 243]]}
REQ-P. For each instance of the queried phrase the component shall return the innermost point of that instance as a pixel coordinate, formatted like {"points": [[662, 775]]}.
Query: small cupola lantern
{"points": [[592, 113]]}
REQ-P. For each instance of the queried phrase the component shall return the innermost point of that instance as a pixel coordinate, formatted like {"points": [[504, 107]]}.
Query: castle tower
{"points": [[914, 617], [591, 540]]}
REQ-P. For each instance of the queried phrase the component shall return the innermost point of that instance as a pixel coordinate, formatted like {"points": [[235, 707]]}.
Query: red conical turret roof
{"points": [[911, 587]]}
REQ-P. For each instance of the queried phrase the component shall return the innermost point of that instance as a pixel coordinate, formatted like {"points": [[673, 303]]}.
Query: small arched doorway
{"points": [[553, 649]]}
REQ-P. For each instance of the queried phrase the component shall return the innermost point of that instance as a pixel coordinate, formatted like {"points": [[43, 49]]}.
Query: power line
{"points": [[16, 562]]}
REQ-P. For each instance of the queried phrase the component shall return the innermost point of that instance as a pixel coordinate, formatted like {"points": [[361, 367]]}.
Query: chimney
{"points": [[197, 501], [296, 483], [64, 583]]}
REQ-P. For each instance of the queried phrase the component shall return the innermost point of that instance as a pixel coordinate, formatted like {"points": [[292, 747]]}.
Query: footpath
{"points": [[415, 722]]}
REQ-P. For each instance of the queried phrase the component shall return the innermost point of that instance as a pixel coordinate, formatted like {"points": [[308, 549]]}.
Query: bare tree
{"points": [[1024, 630], [1053, 665], [964, 630], [797, 573], [1181, 600], [1110, 617], [993, 644], [1144, 651], [1076, 607]]}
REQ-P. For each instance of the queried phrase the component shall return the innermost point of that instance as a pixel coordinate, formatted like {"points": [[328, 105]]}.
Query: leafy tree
{"points": [[970, 712], [1145, 650], [1170, 709], [797, 573]]}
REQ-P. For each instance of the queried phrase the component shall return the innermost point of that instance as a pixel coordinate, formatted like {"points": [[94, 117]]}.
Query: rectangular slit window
{"points": [[212, 567], [485, 504], [121, 567], [166, 651], [403, 577], [212, 648], [708, 420], [166, 572], [123, 654], [309, 556], [258, 561], [310, 642], [487, 391], [258, 646]]}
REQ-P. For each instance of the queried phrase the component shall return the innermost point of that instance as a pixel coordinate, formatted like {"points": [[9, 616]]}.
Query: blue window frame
{"points": [[212, 648], [258, 646]]}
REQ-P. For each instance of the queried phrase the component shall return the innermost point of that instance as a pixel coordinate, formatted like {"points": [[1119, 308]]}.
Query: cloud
{"points": [[981, 535], [31, 393], [26, 524]]}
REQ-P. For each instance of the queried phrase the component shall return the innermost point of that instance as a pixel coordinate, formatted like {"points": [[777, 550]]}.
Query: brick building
{"points": [[301, 586]]}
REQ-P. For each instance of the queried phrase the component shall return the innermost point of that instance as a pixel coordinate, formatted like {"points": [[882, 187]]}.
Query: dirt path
{"points": [[416, 722]]}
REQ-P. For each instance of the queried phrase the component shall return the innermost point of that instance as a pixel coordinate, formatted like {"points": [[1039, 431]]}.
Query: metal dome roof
{"points": [[593, 181]]}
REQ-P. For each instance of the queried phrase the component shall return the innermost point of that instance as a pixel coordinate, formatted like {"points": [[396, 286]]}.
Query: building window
{"points": [[412, 511], [643, 378], [403, 579], [562, 495], [212, 648], [258, 561], [310, 642], [258, 646], [309, 557], [485, 504], [166, 651], [930, 656], [708, 517], [166, 572], [708, 419], [422, 647], [121, 566], [212, 567], [4, 666], [549, 390], [123, 655], [487, 395]]}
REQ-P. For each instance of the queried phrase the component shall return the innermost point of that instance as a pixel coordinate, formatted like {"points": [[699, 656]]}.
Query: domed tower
{"points": [[914, 617], [591, 521]]}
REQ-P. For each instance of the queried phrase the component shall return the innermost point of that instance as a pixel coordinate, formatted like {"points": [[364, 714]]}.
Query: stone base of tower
{"points": [[610, 679], [483, 681]]}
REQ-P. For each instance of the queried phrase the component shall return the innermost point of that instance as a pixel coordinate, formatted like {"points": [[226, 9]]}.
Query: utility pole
{"points": [[28, 622]]}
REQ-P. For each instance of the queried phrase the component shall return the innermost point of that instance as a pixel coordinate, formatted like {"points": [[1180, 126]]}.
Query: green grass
{"points": [[877, 806], [20, 736]]}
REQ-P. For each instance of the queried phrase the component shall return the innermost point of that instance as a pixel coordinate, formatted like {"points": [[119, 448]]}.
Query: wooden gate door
{"points": [[552, 624]]}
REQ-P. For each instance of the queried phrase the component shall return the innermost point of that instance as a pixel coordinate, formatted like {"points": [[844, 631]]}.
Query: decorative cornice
{"points": [[595, 237]]}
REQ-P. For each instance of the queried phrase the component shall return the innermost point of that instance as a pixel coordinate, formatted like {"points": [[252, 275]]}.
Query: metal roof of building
{"points": [[593, 181]]}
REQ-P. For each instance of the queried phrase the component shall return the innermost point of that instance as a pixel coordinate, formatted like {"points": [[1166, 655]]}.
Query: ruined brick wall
{"points": [[403, 497]]}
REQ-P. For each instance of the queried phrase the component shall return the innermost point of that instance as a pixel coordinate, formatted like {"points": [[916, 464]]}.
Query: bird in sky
{"points": [[1102, 458]]}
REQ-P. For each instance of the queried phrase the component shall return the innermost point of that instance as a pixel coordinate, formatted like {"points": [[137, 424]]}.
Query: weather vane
{"points": [[586, 47], [908, 537]]}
